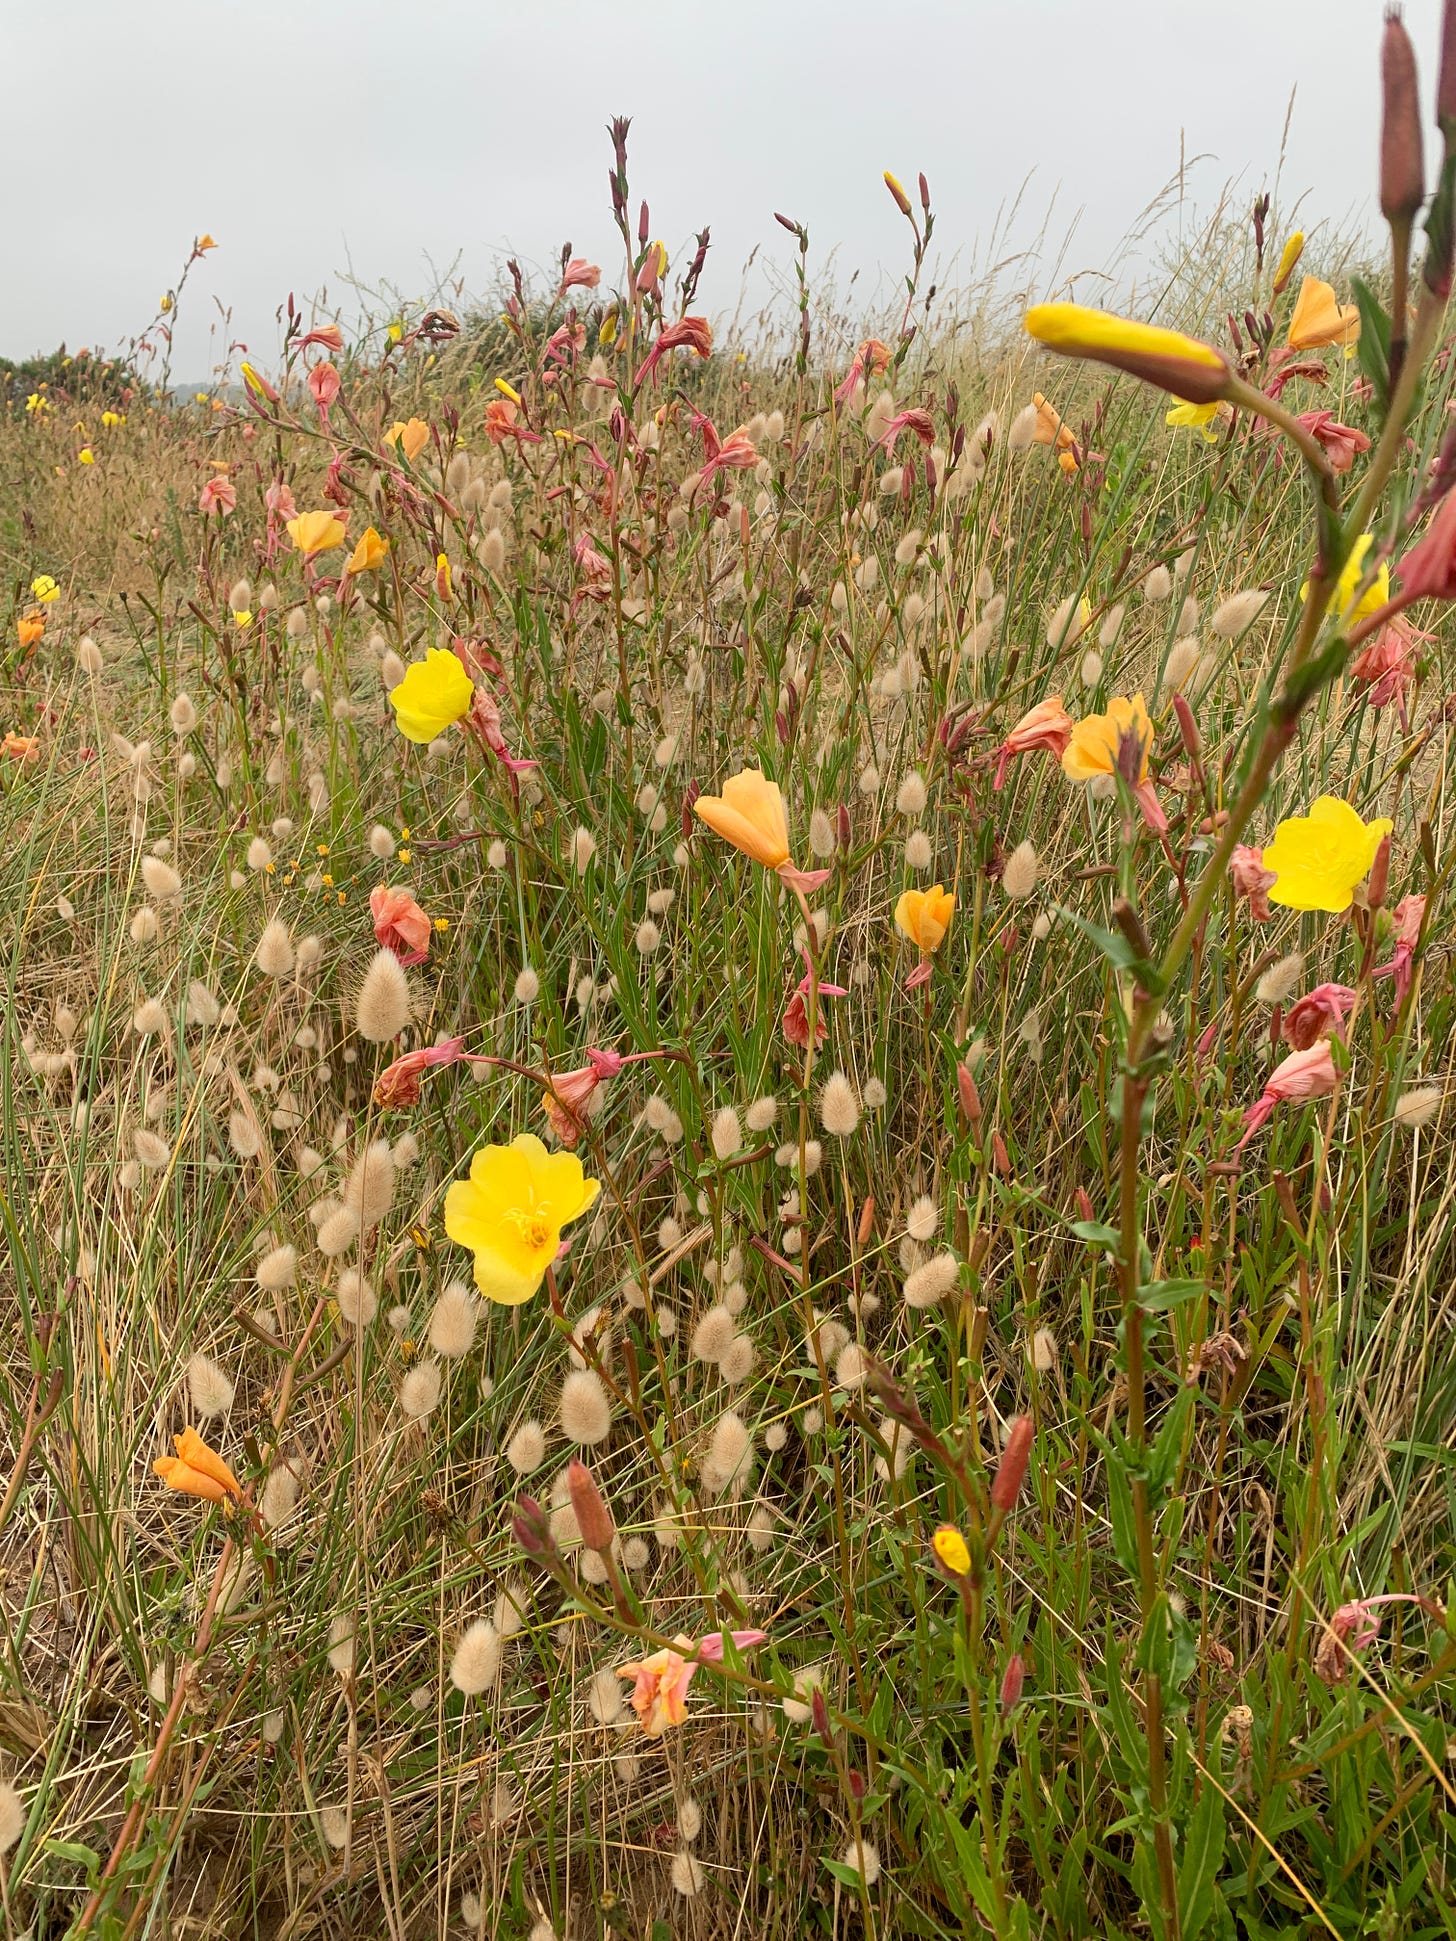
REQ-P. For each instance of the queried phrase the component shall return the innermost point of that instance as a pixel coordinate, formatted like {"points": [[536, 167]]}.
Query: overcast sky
{"points": [[387, 136]]}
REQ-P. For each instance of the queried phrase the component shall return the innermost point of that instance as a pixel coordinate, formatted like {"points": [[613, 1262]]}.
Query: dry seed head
{"points": [[838, 1106], [210, 1388], [276, 1270], [259, 855], [1188, 616], [1418, 1107], [585, 1413], [1238, 611], [476, 1662], [526, 1450], [358, 1303], [419, 1392], [687, 1874], [1091, 668], [383, 1008], [149, 1020], [739, 1360], [604, 1697], [1110, 630], [727, 1134], [919, 853], [162, 881], [1158, 586], [729, 1459], [864, 1857], [88, 655], [453, 1321], [1280, 979], [648, 937], [923, 1219], [245, 1135], [369, 1191], [341, 1643], [932, 1281], [583, 848], [821, 834], [274, 955], [527, 986], [280, 1496], [1021, 432], [689, 1819], [338, 1231], [381, 842], [850, 1367], [143, 926], [391, 671], [183, 715], [1043, 1351], [1019, 872]]}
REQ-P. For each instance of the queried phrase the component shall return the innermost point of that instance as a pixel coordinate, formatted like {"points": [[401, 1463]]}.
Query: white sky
{"points": [[384, 136]]}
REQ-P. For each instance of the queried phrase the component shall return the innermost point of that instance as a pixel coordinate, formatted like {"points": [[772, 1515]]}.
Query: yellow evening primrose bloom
{"points": [[1343, 601], [1093, 748], [435, 692], [242, 618], [111, 419], [1318, 319], [950, 1546], [750, 814], [510, 1213], [45, 589], [1293, 250], [1196, 417], [410, 438], [1318, 859], [396, 331], [1191, 370], [86, 456], [316, 532], [369, 553], [924, 916]]}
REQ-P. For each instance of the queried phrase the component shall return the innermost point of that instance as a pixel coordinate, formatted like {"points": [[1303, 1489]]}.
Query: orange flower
{"points": [[660, 1690], [20, 748], [1049, 427], [411, 438], [30, 628], [316, 532], [196, 1470], [1318, 319], [924, 916], [750, 814], [369, 553]]}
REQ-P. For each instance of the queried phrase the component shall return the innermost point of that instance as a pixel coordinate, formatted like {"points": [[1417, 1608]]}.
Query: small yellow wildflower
{"points": [[1318, 859], [511, 1211], [950, 1546], [435, 692]]}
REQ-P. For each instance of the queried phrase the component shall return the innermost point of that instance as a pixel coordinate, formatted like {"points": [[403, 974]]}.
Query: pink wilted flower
{"points": [[1410, 914], [579, 274], [400, 924], [323, 383], [1302, 1075], [595, 569], [500, 424], [326, 336], [1352, 1628], [1317, 1015], [218, 495], [870, 359], [279, 500], [1047, 725], [916, 420], [1428, 570], [1341, 444], [1251, 879], [735, 453], [796, 1014], [399, 1083], [484, 722], [1387, 666], [660, 1682], [568, 1099], [689, 333]]}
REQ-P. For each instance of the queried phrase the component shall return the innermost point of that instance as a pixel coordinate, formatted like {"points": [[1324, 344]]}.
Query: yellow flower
{"points": [[444, 584], [242, 618], [924, 916], [396, 331], [316, 532], [607, 334], [196, 1470], [1197, 416], [1096, 742], [166, 304], [411, 438], [1318, 319], [511, 1210], [950, 1546], [45, 589], [1318, 859], [1189, 369], [1293, 250], [750, 814], [205, 242], [111, 419], [86, 456], [434, 692], [369, 553], [1343, 600], [508, 390]]}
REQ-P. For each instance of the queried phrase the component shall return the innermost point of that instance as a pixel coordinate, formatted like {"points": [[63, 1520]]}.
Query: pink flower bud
{"points": [[592, 1515], [1006, 1484], [1012, 1680], [822, 1726], [970, 1097], [532, 1529], [1402, 159], [1379, 877]]}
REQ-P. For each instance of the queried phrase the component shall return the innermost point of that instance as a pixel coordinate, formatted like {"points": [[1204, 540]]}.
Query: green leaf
{"points": [[1118, 952], [1374, 344], [1156, 1297], [1097, 1235], [1201, 1860]]}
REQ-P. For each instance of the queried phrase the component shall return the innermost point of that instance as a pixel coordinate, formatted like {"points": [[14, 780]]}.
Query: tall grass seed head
{"points": [[419, 1392], [839, 1106], [475, 1664], [383, 1007], [584, 1412], [1019, 872]]}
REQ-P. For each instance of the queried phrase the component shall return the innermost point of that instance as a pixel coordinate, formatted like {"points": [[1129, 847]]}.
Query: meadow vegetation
{"points": [[727, 1181]]}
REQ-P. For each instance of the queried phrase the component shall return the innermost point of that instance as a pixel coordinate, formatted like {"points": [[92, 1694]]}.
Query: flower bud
{"points": [[820, 1708], [866, 1224], [1012, 1680], [532, 1529], [1006, 1484], [1379, 877], [1191, 370], [593, 1517], [1188, 728], [1289, 261], [843, 829], [970, 1097], [1402, 161], [902, 201]]}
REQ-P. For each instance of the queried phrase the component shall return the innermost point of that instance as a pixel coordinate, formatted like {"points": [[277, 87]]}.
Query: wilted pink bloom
{"points": [[399, 1083], [565, 344], [1047, 725], [500, 424], [871, 358], [484, 721], [279, 500], [400, 924], [796, 1013], [689, 333], [326, 336], [1410, 914], [735, 453], [1428, 570], [218, 495], [1387, 666], [579, 274], [1251, 879], [1341, 444], [660, 1683], [1351, 1629], [1317, 1015], [323, 382], [568, 1100], [916, 420], [1006, 1483], [1302, 1075]]}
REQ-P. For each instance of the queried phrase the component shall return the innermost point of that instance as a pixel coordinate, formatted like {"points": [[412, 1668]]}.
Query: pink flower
{"points": [[660, 1683], [579, 274], [1318, 1015], [796, 1015], [1352, 1628], [1302, 1075], [500, 424], [327, 337], [1428, 570], [400, 924], [916, 420], [399, 1083], [873, 357], [1047, 725], [735, 453], [568, 1101], [484, 722], [1341, 444], [279, 501], [218, 495], [1387, 666], [323, 382], [1251, 879], [689, 333], [1410, 914]]}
